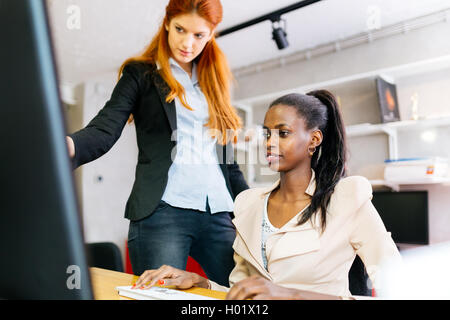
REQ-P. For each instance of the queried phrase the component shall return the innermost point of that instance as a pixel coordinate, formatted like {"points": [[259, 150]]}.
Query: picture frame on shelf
{"points": [[387, 100]]}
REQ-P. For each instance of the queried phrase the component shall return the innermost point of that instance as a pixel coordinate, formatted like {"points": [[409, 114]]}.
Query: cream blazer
{"points": [[302, 257]]}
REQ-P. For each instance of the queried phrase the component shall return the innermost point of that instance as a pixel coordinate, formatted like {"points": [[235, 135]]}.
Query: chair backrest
{"points": [[105, 255], [358, 279]]}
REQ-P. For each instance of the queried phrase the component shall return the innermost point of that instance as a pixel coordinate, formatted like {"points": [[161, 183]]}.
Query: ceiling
{"points": [[93, 37]]}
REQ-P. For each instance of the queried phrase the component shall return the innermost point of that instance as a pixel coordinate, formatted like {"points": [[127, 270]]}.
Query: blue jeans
{"points": [[169, 235]]}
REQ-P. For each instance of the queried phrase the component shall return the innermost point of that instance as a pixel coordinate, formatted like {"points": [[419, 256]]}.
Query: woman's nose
{"points": [[270, 143], [187, 42]]}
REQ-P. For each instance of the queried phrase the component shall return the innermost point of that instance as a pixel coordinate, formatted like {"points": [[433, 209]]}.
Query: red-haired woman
{"points": [[177, 93]]}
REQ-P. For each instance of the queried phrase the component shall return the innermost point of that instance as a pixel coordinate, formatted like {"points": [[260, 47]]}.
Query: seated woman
{"points": [[298, 238]]}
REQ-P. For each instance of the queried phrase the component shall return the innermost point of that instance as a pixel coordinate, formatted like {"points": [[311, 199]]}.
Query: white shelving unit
{"points": [[395, 185], [392, 73], [367, 128], [390, 129]]}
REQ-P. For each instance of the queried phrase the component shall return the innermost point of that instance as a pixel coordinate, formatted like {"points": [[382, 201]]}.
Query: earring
{"points": [[311, 150]]}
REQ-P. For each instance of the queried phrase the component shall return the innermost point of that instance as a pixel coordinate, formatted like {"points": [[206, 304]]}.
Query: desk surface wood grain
{"points": [[104, 283]]}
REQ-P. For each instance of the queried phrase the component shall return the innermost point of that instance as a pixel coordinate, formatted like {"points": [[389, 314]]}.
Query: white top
{"points": [[267, 230]]}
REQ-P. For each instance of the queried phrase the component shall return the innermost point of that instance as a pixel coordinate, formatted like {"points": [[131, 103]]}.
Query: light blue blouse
{"points": [[194, 176]]}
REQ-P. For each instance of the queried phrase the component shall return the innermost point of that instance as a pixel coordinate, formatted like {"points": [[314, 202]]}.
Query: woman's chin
{"points": [[275, 166], [184, 59]]}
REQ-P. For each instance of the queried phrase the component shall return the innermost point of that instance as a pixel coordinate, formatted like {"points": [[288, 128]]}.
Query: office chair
{"points": [[104, 255], [358, 278]]}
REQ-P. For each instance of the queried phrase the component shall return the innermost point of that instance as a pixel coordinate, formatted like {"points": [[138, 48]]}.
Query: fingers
{"points": [[244, 292], [247, 289], [151, 277], [145, 277], [262, 296], [70, 146], [167, 276]]}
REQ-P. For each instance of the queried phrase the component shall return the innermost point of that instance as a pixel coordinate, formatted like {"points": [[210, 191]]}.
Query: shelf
{"points": [[368, 129], [391, 129], [395, 184], [395, 73]]}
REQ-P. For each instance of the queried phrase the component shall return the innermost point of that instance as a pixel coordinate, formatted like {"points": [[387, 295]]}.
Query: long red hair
{"points": [[214, 74]]}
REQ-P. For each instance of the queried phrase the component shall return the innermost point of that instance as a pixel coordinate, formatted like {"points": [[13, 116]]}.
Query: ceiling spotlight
{"points": [[279, 34]]}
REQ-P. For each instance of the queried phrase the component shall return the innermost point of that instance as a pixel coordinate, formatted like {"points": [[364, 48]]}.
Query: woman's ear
{"points": [[212, 34], [317, 138]]}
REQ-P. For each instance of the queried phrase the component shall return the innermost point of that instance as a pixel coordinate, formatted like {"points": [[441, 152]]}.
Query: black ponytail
{"points": [[320, 110], [330, 166]]}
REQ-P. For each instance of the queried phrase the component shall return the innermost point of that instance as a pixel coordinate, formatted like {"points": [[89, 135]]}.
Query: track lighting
{"points": [[279, 33]]}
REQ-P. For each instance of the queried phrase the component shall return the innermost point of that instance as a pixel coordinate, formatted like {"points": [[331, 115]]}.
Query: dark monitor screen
{"points": [[405, 215], [42, 252]]}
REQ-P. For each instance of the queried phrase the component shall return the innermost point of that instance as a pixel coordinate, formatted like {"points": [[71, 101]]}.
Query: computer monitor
{"points": [[42, 251], [405, 215]]}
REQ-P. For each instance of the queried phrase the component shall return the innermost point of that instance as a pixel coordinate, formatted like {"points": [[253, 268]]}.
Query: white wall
{"points": [[433, 93], [417, 45], [104, 184]]}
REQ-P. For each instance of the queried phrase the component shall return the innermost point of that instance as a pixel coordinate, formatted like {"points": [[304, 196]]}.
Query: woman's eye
{"points": [[199, 36], [284, 133], [266, 134], [178, 29]]}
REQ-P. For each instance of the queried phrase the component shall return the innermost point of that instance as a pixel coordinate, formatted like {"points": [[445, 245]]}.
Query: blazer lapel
{"points": [[290, 240], [248, 240], [293, 240], [248, 226], [163, 90]]}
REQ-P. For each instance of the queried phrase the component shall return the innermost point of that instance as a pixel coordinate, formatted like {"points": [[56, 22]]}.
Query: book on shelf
{"points": [[387, 100], [405, 169]]}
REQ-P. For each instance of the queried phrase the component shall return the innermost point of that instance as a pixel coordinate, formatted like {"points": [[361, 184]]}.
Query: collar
{"points": [[174, 64], [248, 229], [309, 190]]}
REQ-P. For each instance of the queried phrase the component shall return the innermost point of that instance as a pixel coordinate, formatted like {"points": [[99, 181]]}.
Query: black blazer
{"points": [[142, 91]]}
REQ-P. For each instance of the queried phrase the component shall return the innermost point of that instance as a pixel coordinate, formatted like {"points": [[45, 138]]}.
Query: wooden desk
{"points": [[104, 283]]}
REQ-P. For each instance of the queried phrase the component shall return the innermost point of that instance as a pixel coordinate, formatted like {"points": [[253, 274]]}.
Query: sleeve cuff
{"points": [[217, 287]]}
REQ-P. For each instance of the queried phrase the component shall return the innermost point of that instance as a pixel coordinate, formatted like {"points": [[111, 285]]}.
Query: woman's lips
{"points": [[184, 53], [272, 157]]}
